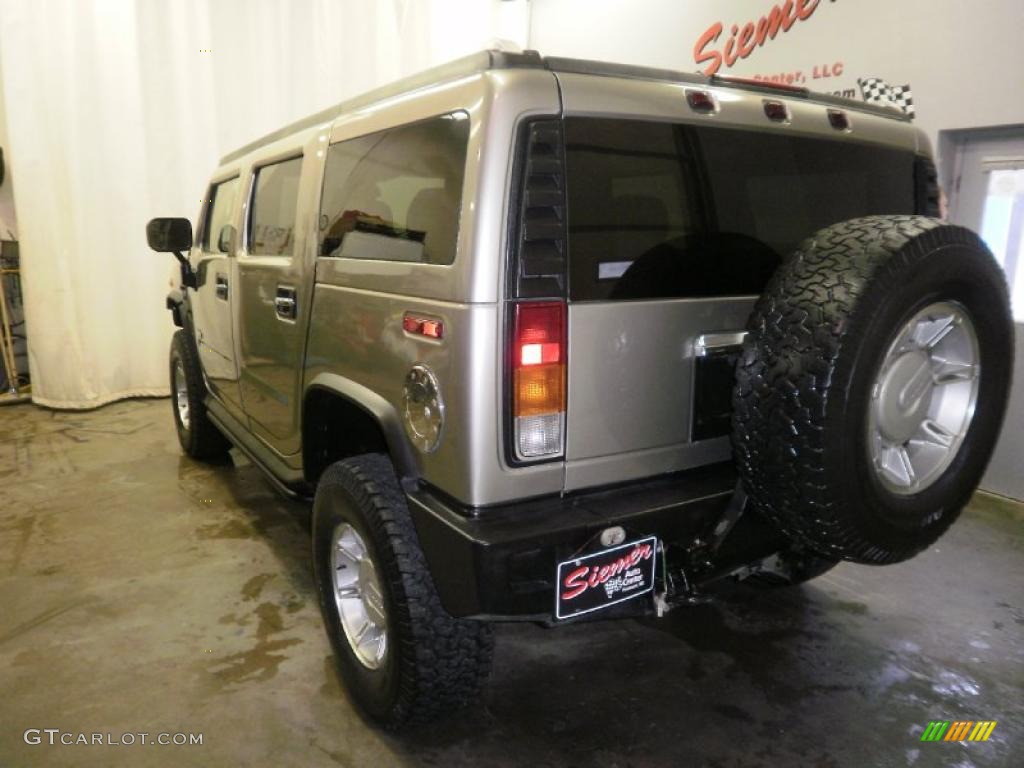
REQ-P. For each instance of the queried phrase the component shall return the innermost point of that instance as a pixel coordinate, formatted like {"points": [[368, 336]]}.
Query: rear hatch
{"points": [[657, 227]]}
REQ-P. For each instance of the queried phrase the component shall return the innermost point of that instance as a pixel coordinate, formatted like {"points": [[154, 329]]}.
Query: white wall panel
{"points": [[118, 110], [964, 61]]}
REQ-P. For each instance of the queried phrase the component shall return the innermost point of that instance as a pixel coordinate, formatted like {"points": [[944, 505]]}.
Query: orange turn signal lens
{"points": [[539, 389]]}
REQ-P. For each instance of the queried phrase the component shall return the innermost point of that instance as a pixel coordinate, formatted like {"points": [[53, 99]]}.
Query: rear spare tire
{"points": [[872, 386]]}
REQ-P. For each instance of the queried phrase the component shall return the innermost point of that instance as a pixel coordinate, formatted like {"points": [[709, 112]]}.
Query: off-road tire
{"points": [[435, 664], [200, 439], [803, 383]]}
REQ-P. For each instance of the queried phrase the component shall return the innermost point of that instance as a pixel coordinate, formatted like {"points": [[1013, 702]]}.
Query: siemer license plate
{"points": [[592, 582]]}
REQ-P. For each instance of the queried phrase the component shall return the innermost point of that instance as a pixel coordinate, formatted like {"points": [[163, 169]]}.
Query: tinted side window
{"points": [[658, 210], [218, 212], [272, 213], [396, 195]]}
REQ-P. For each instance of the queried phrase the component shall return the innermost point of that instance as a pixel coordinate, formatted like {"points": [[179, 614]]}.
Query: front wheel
{"points": [[199, 438], [402, 657]]}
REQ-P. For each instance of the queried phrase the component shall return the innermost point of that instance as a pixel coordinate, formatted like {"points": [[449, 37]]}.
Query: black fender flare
{"points": [[379, 409], [176, 301]]}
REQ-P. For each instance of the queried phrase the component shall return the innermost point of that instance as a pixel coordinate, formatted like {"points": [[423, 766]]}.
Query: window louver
{"points": [[538, 267], [926, 187]]}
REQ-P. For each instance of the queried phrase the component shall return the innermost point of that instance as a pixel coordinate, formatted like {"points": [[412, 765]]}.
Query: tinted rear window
{"points": [[661, 210]]}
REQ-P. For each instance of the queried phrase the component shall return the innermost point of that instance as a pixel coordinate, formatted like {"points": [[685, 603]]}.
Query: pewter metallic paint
{"points": [[630, 363]]}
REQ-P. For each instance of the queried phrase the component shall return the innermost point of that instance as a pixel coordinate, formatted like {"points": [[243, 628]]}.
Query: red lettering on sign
{"points": [[586, 577], [575, 583], [743, 40]]}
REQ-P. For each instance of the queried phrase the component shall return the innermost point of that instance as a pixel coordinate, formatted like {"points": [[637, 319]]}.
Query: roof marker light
{"points": [[776, 111], [700, 101], [839, 119]]}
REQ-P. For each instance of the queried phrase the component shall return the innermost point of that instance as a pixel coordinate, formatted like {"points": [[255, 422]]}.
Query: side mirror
{"points": [[173, 235], [169, 235], [226, 239]]}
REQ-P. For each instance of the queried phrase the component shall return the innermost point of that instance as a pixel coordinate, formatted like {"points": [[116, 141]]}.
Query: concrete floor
{"points": [[142, 592]]}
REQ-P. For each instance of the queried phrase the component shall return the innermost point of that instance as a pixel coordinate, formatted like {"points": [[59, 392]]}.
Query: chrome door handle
{"points": [[221, 287], [285, 304]]}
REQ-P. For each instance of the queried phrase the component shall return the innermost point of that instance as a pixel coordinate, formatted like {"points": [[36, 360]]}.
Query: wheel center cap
{"points": [[905, 395]]}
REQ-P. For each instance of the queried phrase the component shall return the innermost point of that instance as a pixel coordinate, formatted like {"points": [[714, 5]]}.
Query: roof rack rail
{"points": [[491, 59], [472, 64]]}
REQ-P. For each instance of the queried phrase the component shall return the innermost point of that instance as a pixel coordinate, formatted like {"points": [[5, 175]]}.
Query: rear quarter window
{"points": [[396, 195]]}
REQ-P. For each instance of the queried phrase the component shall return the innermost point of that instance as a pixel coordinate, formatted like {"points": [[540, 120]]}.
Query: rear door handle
{"points": [[221, 287], [285, 304]]}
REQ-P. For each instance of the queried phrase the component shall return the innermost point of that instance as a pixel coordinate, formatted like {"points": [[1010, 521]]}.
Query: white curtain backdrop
{"points": [[118, 110]]}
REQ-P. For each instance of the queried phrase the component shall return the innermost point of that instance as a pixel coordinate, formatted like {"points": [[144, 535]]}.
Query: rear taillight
{"points": [[538, 379]]}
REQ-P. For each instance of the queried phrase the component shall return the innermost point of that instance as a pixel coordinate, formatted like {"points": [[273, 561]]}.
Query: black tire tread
{"points": [[202, 440], [798, 329], [445, 661]]}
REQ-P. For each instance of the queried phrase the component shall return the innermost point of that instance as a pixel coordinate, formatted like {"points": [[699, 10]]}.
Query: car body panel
{"points": [[348, 337], [632, 419], [271, 348], [212, 316], [662, 100]]}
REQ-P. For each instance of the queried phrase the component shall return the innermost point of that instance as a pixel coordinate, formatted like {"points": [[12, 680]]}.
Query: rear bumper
{"points": [[500, 562]]}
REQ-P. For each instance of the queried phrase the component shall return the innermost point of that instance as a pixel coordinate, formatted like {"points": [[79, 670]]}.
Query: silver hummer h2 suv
{"points": [[549, 339]]}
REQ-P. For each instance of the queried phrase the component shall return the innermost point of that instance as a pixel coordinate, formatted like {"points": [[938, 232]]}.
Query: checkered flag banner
{"points": [[877, 91]]}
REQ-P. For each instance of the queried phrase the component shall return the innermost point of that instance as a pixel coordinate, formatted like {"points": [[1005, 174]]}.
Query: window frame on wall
{"points": [[251, 201], [373, 139], [204, 234], [1001, 232]]}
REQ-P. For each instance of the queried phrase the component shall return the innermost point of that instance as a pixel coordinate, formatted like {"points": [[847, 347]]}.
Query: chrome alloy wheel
{"points": [[359, 597], [923, 398], [181, 393]]}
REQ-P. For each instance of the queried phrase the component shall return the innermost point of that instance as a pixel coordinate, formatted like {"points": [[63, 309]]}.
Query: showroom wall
{"points": [[8, 219], [962, 60], [118, 110]]}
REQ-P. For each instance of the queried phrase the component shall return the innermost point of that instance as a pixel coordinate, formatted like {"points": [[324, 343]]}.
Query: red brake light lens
{"points": [[538, 378], [539, 332], [761, 84]]}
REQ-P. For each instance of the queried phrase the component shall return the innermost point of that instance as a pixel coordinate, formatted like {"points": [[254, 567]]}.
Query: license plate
{"points": [[592, 582]]}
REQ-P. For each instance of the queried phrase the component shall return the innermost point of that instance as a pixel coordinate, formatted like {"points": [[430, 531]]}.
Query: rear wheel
{"points": [[402, 657], [199, 438], [872, 387]]}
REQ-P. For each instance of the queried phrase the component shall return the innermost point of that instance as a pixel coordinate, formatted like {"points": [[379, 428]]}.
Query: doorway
{"points": [[984, 172]]}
